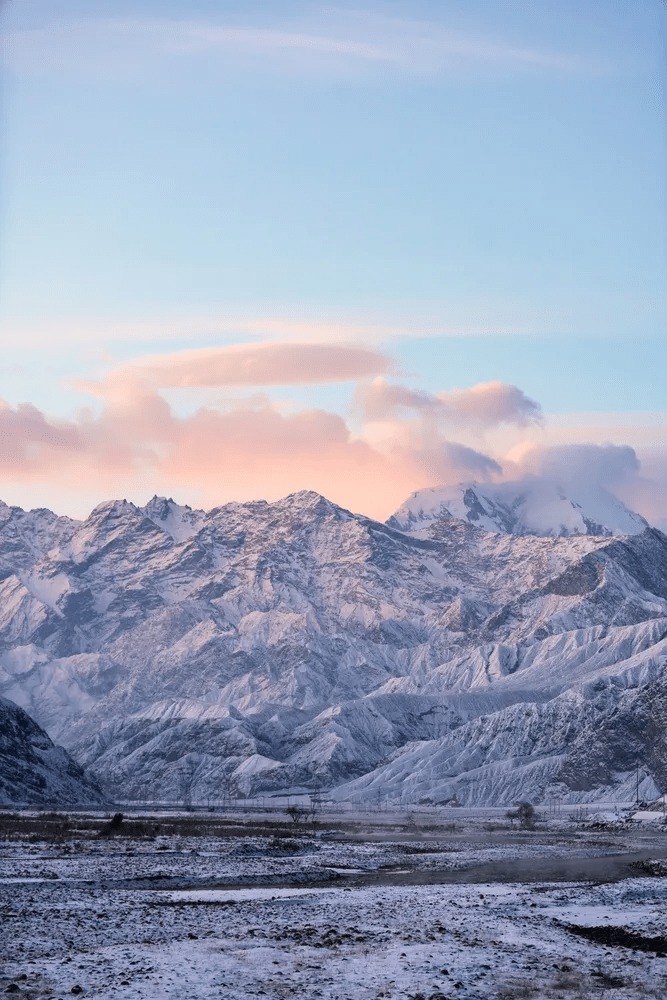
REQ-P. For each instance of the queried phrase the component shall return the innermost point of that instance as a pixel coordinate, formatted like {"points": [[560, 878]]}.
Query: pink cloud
{"points": [[492, 403], [483, 406], [26, 434], [259, 364], [138, 444]]}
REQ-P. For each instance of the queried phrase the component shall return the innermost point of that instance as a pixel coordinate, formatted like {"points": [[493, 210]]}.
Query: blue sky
{"points": [[477, 189]]}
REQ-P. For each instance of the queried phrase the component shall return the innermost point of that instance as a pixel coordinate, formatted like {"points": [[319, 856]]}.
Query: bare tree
{"points": [[297, 814]]}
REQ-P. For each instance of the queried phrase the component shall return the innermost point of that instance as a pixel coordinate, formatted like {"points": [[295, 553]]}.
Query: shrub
{"points": [[113, 826], [525, 814]]}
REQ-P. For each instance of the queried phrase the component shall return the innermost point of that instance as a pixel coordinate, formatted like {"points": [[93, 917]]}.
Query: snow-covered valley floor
{"points": [[463, 912]]}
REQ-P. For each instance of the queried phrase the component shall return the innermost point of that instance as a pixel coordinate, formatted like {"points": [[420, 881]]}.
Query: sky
{"points": [[248, 248]]}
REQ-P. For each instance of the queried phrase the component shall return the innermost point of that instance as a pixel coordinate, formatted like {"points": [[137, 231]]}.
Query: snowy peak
{"points": [[181, 522], [532, 506]]}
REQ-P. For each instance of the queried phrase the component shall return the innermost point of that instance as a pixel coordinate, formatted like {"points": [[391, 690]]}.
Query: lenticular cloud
{"points": [[259, 365]]}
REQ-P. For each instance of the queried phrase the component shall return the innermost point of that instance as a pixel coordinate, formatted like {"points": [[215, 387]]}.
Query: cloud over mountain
{"points": [[606, 465]]}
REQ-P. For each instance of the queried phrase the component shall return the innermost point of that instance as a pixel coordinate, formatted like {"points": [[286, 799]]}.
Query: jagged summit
{"points": [[307, 498], [533, 506], [309, 502], [113, 508], [181, 522]]}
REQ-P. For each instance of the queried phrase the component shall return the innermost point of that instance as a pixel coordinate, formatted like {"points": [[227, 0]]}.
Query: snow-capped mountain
{"points": [[269, 646], [33, 771], [533, 506]]}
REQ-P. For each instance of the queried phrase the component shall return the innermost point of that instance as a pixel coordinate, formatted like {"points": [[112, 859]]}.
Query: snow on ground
{"points": [[233, 918]]}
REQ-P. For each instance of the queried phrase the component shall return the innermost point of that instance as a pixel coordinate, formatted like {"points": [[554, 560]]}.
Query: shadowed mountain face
{"points": [[33, 771], [180, 654]]}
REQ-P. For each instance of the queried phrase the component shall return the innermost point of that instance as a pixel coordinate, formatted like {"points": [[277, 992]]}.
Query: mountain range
{"points": [[488, 643]]}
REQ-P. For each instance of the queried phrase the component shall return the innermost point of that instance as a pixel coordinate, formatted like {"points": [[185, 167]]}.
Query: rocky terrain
{"points": [[34, 772], [481, 646]]}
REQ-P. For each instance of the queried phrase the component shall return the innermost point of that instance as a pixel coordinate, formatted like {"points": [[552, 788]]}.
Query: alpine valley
{"points": [[486, 644]]}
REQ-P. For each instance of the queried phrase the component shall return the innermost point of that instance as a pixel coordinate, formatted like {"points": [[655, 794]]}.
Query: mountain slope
{"points": [[33, 771]]}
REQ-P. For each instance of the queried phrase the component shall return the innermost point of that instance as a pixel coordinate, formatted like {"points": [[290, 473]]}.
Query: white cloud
{"points": [[371, 328], [608, 465], [326, 42]]}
